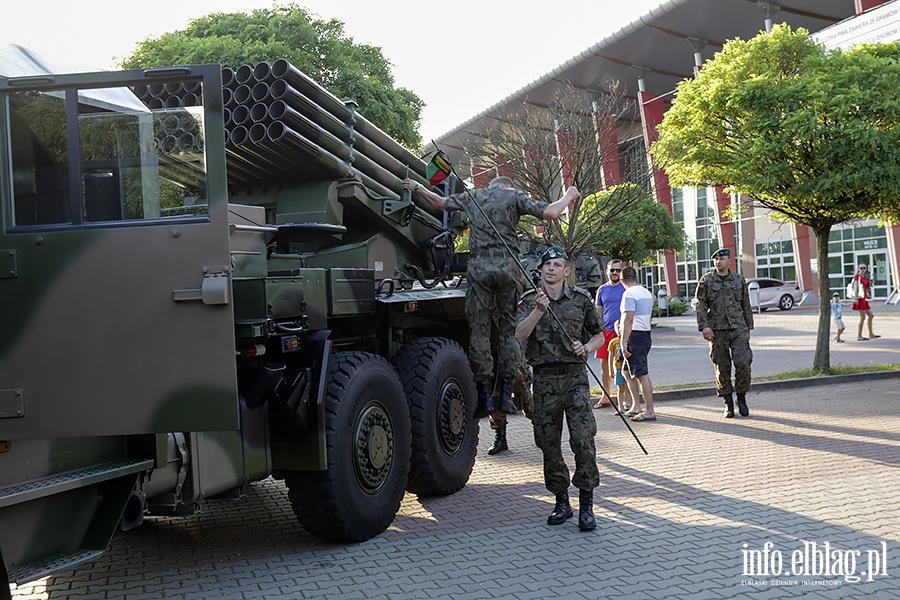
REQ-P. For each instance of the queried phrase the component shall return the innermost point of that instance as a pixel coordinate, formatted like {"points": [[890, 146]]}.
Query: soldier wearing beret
{"points": [[725, 318], [556, 350], [494, 276]]}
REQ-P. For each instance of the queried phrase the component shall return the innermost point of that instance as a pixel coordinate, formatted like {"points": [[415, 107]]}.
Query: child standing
{"points": [[837, 311], [624, 399]]}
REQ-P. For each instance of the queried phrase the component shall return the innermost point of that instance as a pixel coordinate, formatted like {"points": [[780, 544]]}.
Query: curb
{"points": [[780, 385]]}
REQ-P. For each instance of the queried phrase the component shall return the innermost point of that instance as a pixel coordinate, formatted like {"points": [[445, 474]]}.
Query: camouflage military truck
{"points": [[209, 277]]}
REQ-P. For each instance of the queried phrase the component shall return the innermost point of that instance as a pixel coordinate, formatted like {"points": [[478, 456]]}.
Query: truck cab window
{"points": [[102, 156]]}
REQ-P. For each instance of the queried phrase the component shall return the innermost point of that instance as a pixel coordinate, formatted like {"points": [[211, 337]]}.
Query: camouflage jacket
{"points": [[723, 304], [548, 345], [503, 207]]}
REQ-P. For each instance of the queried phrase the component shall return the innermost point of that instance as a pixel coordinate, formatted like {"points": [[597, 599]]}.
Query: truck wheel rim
{"points": [[374, 448], [452, 407]]}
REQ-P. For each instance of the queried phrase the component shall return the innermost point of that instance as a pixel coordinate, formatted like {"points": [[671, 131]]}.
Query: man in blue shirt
{"points": [[608, 301]]}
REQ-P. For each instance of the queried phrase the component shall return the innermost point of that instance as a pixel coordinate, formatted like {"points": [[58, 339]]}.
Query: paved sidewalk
{"points": [[810, 466]]}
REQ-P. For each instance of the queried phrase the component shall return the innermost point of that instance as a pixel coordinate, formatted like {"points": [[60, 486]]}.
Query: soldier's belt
{"points": [[558, 369]]}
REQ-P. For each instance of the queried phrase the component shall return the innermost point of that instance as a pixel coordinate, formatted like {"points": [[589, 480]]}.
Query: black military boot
{"points": [[506, 402], [499, 444], [485, 404], [742, 405], [729, 406], [586, 521], [562, 511]]}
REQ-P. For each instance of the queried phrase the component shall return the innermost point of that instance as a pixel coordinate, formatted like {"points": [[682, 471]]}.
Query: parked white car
{"points": [[773, 292]]}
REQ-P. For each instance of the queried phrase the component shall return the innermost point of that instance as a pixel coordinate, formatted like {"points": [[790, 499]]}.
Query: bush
{"points": [[675, 309]]}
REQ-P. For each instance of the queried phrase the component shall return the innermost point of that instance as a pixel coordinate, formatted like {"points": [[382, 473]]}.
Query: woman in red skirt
{"points": [[861, 302]]}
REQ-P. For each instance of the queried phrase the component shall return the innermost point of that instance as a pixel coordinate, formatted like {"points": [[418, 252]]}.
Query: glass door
{"points": [[878, 273]]}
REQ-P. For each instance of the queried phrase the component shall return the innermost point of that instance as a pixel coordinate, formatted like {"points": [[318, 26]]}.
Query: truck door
{"points": [[115, 269]]}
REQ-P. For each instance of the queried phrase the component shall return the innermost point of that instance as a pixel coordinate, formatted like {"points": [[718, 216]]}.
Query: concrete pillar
{"points": [[481, 176], [804, 242], [893, 246], [862, 6], [607, 149], [566, 154]]}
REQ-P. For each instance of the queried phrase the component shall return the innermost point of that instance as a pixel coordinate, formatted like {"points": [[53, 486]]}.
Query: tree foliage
{"points": [[810, 134], [526, 145], [317, 47], [638, 232]]}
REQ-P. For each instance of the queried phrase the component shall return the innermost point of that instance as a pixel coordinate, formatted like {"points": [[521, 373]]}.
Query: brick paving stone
{"points": [[808, 465]]}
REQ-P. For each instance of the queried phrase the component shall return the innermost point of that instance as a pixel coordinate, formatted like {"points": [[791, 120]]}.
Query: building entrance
{"points": [[878, 271]]}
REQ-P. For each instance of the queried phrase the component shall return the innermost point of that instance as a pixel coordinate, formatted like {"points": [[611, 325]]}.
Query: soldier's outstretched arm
{"points": [[557, 208], [436, 200]]}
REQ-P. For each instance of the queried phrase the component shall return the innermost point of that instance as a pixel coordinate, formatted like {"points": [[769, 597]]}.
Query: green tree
{"points": [[317, 47], [810, 134], [639, 232]]}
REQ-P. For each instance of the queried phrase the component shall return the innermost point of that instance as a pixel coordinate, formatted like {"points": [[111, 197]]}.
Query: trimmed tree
{"points": [[810, 134]]}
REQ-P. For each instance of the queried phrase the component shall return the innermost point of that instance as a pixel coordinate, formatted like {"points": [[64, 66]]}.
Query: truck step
{"points": [[55, 564], [57, 483]]}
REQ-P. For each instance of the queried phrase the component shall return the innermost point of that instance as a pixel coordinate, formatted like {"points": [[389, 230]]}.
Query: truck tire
{"points": [[368, 447], [440, 390]]}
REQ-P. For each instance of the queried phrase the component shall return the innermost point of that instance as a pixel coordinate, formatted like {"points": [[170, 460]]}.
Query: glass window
{"points": [[132, 162], [678, 205]]}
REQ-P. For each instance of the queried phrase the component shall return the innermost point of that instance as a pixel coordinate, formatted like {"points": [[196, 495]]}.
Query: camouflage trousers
{"points": [[731, 346], [522, 394], [554, 396], [493, 297]]}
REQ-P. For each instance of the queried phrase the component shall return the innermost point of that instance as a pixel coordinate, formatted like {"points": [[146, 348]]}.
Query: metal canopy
{"points": [[660, 45]]}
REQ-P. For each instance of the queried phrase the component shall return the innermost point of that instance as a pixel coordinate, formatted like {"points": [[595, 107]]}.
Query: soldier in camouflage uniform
{"points": [[725, 318], [494, 276], [561, 382]]}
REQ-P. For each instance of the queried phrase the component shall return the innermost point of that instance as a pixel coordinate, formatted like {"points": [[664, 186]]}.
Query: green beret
{"points": [[552, 252], [722, 252]]}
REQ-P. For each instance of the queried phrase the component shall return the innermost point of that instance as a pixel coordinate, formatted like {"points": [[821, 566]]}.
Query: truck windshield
{"points": [[106, 156]]}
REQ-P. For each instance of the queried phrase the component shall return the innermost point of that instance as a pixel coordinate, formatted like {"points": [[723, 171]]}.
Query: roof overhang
{"points": [[660, 48]]}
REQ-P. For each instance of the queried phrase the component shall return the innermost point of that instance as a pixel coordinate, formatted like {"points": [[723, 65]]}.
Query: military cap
{"points": [[552, 252], [722, 252]]}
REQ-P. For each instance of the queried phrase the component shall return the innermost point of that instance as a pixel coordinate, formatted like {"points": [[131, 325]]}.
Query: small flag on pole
{"points": [[438, 169]]}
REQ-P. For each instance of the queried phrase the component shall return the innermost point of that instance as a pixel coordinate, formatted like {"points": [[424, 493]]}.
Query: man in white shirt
{"points": [[637, 307]]}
